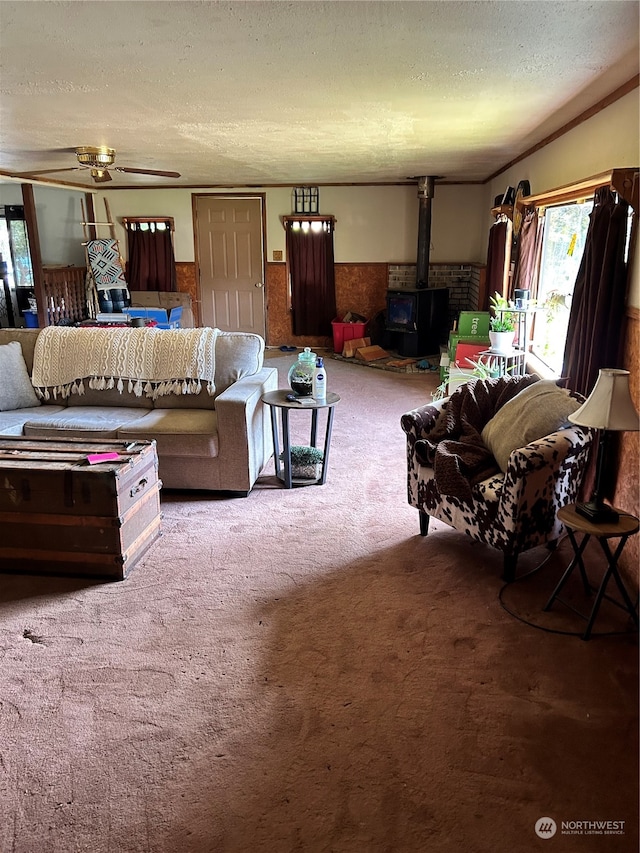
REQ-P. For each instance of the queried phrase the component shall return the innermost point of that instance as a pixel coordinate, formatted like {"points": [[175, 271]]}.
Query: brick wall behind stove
{"points": [[464, 282]]}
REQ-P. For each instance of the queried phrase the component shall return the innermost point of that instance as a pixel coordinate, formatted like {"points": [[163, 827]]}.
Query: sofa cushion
{"points": [[88, 421], [16, 390], [26, 338], [12, 423], [177, 432], [238, 354], [536, 411]]}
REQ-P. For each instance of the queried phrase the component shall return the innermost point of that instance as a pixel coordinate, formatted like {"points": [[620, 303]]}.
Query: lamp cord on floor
{"points": [[534, 571]]}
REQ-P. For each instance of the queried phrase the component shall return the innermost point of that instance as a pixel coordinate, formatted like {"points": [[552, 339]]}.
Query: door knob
{"points": [[258, 284]]}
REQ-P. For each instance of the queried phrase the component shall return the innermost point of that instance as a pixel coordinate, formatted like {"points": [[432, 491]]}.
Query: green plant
{"points": [[441, 391], [305, 455], [487, 368], [503, 319]]}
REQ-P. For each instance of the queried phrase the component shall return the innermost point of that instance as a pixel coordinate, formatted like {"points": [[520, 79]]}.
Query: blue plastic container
{"points": [[31, 319]]}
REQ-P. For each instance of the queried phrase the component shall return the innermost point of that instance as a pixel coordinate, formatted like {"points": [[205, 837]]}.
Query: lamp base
{"points": [[598, 513]]}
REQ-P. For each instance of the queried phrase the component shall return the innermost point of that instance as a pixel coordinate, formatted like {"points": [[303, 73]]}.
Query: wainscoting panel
{"points": [[359, 287], [186, 281]]}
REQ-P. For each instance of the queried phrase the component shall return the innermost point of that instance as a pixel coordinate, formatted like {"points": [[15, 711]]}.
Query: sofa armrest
{"points": [[420, 422], [244, 427]]}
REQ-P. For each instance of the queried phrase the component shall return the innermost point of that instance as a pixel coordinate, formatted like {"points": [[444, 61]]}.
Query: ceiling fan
{"points": [[100, 161]]}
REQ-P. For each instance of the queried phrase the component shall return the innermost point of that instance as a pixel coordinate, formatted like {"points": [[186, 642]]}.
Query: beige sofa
{"points": [[218, 442]]}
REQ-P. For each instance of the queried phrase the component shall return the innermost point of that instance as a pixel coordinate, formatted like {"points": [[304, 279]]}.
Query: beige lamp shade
{"points": [[609, 406]]}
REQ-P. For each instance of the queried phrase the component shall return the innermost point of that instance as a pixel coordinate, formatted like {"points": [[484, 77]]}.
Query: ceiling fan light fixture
{"points": [[100, 176], [96, 158]]}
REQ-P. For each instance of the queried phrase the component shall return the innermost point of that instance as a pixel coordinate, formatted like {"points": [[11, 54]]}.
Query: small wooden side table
{"points": [[622, 529], [278, 400]]}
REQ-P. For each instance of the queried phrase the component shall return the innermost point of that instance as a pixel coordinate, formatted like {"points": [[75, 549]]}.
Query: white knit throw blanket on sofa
{"points": [[148, 361]]}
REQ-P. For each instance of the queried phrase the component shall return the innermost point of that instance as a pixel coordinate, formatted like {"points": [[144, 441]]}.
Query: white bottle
{"points": [[319, 382]]}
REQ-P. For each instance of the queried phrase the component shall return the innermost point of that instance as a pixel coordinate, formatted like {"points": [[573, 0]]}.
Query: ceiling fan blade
{"points": [[133, 171], [45, 172]]}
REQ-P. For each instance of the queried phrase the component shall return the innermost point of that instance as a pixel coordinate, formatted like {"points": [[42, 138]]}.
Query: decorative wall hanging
{"points": [[306, 200], [104, 261]]}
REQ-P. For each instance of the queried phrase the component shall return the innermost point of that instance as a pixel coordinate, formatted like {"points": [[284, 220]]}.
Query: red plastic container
{"points": [[346, 332]]}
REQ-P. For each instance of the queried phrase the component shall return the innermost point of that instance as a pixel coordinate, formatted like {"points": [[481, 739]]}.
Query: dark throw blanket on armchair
{"points": [[455, 449]]}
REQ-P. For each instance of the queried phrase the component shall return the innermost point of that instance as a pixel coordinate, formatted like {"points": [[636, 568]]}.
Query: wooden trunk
{"points": [[61, 515]]}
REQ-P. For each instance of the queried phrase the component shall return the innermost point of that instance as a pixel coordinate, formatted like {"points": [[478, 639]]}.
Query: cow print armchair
{"points": [[497, 460]]}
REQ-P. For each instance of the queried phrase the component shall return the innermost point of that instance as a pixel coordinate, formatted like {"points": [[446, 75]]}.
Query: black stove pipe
{"points": [[426, 187]]}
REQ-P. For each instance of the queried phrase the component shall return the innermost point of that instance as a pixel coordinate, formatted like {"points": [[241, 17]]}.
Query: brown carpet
{"points": [[301, 671]]}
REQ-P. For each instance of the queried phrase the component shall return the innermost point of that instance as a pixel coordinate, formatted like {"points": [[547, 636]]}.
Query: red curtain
{"points": [[313, 286], [499, 234], [151, 263], [595, 334]]}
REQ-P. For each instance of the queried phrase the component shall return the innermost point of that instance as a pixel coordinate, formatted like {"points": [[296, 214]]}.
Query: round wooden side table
{"points": [[626, 526]]}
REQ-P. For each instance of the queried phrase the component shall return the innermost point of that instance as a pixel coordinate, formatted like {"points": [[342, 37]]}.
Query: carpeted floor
{"points": [[301, 671]]}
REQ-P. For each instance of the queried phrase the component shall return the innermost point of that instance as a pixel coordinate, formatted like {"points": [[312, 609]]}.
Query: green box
{"points": [[474, 323]]}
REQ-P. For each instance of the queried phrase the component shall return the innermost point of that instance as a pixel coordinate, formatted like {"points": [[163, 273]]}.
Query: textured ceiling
{"points": [[302, 92]]}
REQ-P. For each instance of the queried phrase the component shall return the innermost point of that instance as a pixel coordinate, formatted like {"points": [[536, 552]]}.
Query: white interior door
{"points": [[231, 262]]}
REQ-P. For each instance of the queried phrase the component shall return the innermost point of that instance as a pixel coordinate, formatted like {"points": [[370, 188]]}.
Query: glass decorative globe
{"points": [[301, 373]]}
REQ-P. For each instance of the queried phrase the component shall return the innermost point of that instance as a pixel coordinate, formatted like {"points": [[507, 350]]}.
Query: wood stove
{"points": [[417, 320]]}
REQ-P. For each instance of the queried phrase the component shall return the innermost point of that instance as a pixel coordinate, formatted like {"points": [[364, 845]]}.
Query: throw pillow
{"points": [[16, 390], [538, 410]]}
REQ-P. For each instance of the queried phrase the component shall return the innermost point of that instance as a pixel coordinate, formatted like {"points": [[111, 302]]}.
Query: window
{"points": [[565, 231], [16, 271]]}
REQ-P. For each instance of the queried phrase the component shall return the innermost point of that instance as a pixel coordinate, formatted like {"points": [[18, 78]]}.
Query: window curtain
{"points": [[311, 269], [527, 268], [499, 235], [151, 263], [595, 334]]}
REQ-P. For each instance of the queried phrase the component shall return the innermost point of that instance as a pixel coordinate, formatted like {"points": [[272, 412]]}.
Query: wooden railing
{"points": [[65, 294]]}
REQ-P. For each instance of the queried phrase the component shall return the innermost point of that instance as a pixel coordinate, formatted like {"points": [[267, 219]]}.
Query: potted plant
{"points": [[502, 326], [306, 462]]}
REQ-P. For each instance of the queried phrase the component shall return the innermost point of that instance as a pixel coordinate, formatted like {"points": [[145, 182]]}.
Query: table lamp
{"points": [[608, 408]]}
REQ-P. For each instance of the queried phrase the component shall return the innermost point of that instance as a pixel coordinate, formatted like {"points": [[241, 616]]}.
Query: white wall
{"points": [[60, 225], [608, 140], [374, 223], [59, 221]]}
